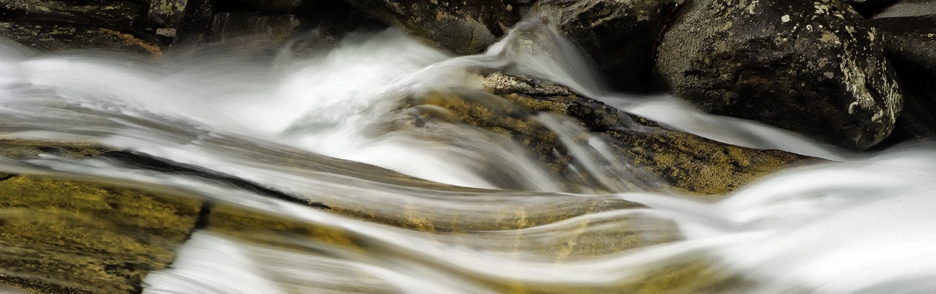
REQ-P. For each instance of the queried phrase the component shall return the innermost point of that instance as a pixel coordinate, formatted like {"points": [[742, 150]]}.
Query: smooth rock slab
{"points": [[813, 67]]}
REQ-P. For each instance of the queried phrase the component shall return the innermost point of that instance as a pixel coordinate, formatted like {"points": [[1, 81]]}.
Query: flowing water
{"points": [[328, 129]]}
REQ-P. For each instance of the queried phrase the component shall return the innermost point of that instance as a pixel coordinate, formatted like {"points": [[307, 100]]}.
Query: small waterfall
{"points": [[321, 178]]}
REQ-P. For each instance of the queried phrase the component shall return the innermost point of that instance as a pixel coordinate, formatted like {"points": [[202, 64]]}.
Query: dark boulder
{"points": [[464, 27], [813, 67], [868, 8], [618, 35], [180, 21], [278, 6], [252, 31], [910, 44]]}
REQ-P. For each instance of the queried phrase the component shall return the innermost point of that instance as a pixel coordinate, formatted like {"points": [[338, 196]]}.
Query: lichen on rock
{"points": [[670, 159], [813, 67]]}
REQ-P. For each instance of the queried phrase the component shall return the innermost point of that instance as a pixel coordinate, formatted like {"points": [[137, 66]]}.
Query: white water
{"points": [[861, 224]]}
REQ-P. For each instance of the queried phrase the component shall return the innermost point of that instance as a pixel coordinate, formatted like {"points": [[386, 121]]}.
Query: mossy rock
{"points": [[677, 161], [67, 236]]}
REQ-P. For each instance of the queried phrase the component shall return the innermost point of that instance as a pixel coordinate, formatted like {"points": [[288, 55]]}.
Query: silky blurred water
{"points": [[327, 129]]}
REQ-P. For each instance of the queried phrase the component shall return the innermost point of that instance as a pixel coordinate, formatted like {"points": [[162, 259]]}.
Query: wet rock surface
{"points": [[618, 35], [813, 67], [60, 235], [69, 25], [252, 31], [110, 14], [58, 37], [459, 26], [678, 161]]}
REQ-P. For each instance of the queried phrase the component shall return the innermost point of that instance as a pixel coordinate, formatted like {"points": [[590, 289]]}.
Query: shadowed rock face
{"points": [[68, 25], [63, 36], [869, 7], [910, 43], [618, 35], [813, 67], [460, 26]]}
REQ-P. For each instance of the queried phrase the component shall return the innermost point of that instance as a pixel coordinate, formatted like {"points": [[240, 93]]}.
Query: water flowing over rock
{"points": [[909, 42], [618, 35], [464, 27], [252, 31], [682, 161], [814, 67]]}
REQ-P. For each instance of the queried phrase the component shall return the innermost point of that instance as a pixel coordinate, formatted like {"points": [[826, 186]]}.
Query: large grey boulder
{"points": [[814, 67], [464, 27], [617, 34]]}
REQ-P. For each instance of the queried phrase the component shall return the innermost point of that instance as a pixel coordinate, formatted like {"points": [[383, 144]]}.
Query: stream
{"points": [[445, 207]]}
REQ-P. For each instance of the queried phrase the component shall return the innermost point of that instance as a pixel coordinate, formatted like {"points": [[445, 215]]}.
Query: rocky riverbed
{"points": [[856, 75]]}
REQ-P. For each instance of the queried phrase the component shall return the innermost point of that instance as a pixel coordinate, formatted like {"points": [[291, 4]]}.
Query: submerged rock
{"points": [[618, 35], [910, 43], [464, 27], [813, 67], [665, 158]]}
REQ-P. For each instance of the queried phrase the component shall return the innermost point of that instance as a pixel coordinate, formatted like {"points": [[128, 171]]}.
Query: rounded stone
{"points": [[813, 67]]}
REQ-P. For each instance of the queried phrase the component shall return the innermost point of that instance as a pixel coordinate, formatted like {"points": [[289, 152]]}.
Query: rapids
{"points": [[314, 128]]}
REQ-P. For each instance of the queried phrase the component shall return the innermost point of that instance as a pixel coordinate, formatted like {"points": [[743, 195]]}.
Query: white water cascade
{"points": [[858, 223]]}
